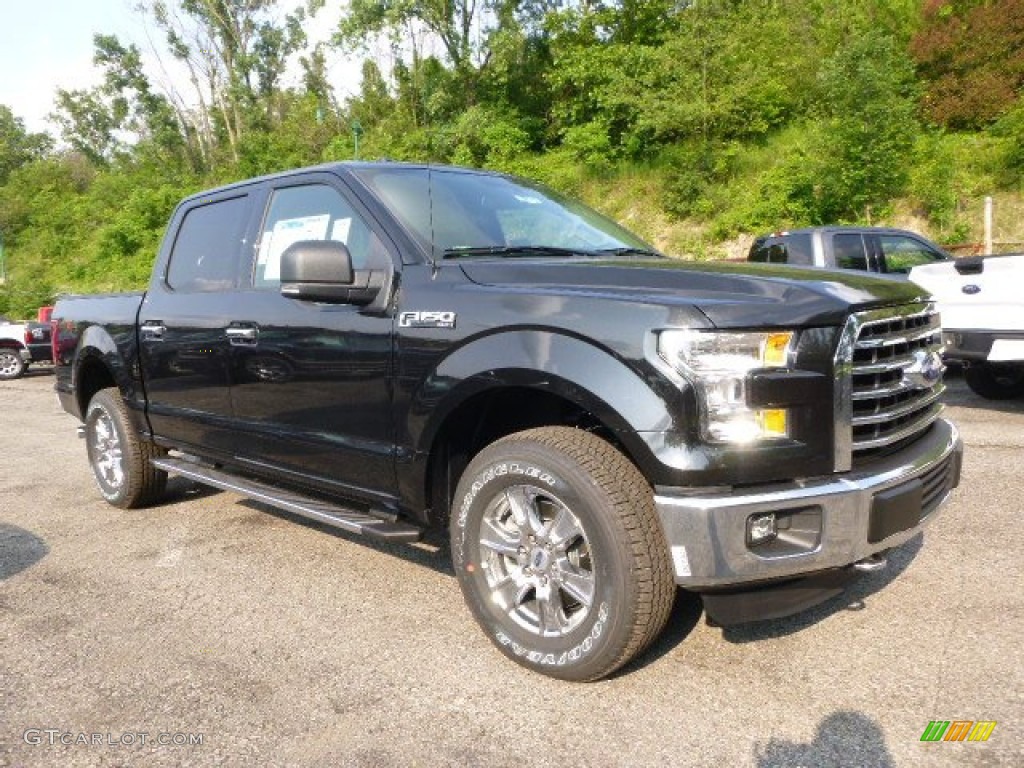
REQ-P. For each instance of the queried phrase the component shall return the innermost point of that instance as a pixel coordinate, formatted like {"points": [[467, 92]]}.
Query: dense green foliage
{"points": [[693, 122]]}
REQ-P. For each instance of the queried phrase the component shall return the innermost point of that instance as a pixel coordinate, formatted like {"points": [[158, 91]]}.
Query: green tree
{"points": [[235, 52], [17, 146], [868, 122]]}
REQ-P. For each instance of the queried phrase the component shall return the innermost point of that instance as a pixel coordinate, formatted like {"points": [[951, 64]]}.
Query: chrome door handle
{"points": [[242, 334], [153, 330]]}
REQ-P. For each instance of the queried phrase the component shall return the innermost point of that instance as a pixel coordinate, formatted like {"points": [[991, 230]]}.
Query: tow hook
{"points": [[871, 564], [80, 431]]}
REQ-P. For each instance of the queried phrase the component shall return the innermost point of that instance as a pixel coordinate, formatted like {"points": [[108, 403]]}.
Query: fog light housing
{"points": [[761, 528]]}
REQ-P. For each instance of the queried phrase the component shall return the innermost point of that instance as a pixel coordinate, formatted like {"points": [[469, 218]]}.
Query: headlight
{"points": [[718, 363]]}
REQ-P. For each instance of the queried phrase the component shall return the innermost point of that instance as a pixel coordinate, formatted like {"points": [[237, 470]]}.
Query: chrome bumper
{"points": [[707, 534]]}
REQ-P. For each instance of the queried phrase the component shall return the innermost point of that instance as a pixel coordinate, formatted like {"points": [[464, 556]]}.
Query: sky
{"points": [[47, 44]]}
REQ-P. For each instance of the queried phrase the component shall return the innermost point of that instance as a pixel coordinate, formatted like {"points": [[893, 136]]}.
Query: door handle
{"points": [[242, 334], [153, 330]]}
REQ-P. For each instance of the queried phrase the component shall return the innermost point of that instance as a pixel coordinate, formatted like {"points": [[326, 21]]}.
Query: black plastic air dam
{"points": [[775, 600]]}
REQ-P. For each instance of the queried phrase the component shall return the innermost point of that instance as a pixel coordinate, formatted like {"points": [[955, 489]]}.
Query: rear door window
{"points": [[799, 249], [206, 250], [849, 252]]}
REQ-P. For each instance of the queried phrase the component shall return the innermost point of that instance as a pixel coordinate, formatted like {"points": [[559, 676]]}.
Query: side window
{"points": [[759, 252], [206, 250], [849, 251], [777, 253], [902, 253], [312, 212], [770, 250], [801, 249]]}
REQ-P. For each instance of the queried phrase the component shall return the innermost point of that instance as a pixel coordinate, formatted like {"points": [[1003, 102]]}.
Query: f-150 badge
{"points": [[427, 320]]}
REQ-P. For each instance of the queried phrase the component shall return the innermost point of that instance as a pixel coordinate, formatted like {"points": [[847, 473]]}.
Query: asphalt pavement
{"points": [[211, 630]]}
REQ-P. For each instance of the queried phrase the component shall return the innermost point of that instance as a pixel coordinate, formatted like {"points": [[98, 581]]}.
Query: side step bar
{"points": [[315, 509]]}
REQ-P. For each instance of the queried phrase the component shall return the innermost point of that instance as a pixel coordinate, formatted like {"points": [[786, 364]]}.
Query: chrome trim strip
{"points": [[892, 341], [900, 410], [890, 365], [902, 434], [842, 404]]}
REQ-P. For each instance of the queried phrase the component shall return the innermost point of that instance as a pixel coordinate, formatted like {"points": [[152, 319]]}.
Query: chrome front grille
{"points": [[895, 376]]}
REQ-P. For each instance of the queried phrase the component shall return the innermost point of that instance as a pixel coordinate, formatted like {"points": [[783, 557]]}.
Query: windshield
{"points": [[461, 213]]}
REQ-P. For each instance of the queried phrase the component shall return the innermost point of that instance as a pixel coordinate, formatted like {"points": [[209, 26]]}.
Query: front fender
{"points": [[616, 393]]}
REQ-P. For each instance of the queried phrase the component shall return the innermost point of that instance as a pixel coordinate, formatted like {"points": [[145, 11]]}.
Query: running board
{"points": [[314, 509]]}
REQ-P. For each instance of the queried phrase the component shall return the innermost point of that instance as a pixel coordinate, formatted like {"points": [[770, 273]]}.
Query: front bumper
{"points": [[835, 521]]}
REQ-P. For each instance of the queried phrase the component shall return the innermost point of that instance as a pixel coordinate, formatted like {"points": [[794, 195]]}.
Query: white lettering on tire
{"points": [[498, 470], [573, 655]]}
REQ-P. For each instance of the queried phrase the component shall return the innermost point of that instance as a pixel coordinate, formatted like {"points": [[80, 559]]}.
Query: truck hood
{"points": [[731, 295]]}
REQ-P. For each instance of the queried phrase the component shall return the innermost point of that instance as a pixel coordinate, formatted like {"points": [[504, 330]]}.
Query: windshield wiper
{"points": [[514, 251], [627, 251]]}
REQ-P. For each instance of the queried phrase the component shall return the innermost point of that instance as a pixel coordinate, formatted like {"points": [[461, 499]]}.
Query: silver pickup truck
{"points": [[867, 249], [978, 297]]}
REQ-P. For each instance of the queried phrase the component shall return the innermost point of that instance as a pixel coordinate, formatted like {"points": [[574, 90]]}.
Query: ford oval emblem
{"points": [[970, 289], [924, 371]]}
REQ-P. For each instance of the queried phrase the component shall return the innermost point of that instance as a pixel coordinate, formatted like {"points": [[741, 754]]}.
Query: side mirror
{"points": [[321, 270]]}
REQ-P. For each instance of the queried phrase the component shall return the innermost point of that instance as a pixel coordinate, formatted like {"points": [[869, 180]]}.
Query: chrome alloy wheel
{"points": [[537, 561], [105, 451], [10, 363]]}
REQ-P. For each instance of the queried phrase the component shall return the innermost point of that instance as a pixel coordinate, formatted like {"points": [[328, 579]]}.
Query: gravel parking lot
{"points": [[278, 642]]}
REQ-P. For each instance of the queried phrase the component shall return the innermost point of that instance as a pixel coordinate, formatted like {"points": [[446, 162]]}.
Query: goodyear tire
{"points": [[119, 456], [994, 381], [11, 364], [559, 553]]}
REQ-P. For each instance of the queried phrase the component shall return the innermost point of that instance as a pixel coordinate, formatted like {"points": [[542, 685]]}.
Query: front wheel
{"points": [[996, 381], [559, 553], [11, 364], [120, 458]]}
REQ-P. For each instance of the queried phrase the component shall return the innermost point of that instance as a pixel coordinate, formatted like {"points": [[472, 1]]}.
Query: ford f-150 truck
{"points": [[390, 348], [982, 318]]}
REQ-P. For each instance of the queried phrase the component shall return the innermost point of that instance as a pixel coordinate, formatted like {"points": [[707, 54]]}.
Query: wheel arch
{"points": [[99, 364], [527, 379]]}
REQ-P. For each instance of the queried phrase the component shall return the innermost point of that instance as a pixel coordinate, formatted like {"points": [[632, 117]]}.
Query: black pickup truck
{"points": [[391, 348]]}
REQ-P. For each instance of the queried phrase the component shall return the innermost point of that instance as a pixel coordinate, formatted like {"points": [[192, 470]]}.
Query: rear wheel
{"points": [[11, 364], [559, 553], [120, 458], [996, 381]]}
